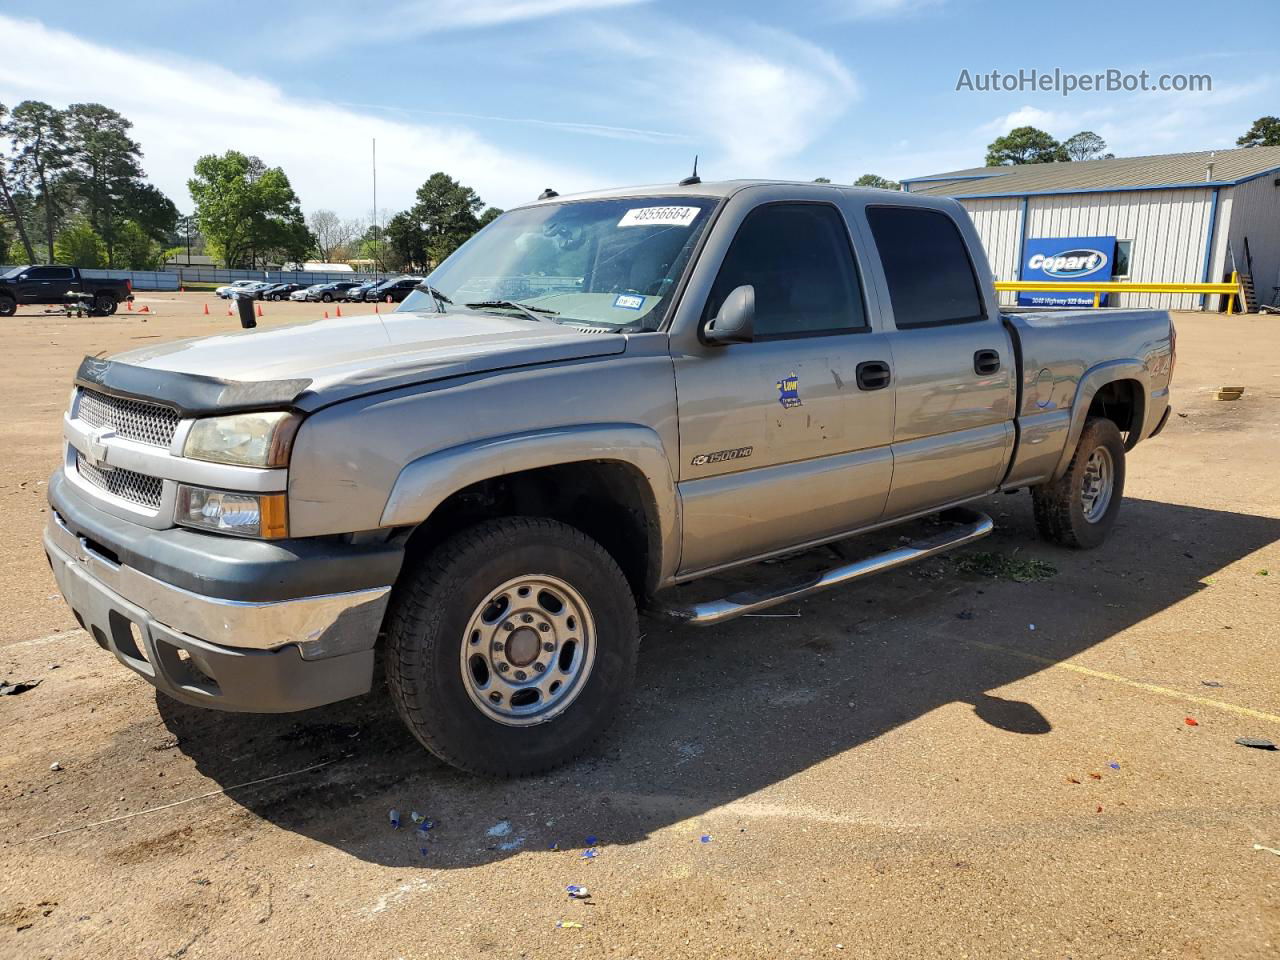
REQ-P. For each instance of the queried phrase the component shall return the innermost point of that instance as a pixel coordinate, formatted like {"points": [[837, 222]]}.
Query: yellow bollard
{"points": [[1097, 299], [1231, 300]]}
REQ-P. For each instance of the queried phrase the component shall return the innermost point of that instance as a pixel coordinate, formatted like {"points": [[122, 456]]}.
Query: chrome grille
{"points": [[131, 419], [126, 484]]}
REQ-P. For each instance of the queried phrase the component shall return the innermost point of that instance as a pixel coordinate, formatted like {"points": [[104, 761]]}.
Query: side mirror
{"points": [[735, 323]]}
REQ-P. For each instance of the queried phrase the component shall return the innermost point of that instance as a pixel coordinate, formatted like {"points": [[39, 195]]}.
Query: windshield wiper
{"points": [[436, 295], [528, 311]]}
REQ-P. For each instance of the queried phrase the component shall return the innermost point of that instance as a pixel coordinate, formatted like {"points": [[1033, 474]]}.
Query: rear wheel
{"points": [[327, 297], [1080, 507], [104, 305], [511, 647]]}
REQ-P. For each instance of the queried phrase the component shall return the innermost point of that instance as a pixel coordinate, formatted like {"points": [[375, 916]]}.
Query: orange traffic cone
{"points": [[259, 309], [145, 309], [339, 311], [326, 314], [130, 303], [229, 313], [181, 288], [375, 306], [206, 309]]}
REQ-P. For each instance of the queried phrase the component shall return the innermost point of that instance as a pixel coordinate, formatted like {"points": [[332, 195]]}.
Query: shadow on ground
{"points": [[723, 712]]}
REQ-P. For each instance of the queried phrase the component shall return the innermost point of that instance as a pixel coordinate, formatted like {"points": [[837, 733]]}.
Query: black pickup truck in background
{"points": [[56, 284]]}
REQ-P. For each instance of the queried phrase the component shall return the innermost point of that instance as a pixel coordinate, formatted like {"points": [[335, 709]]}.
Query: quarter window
{"points": [[798, 259], [931, 279]]}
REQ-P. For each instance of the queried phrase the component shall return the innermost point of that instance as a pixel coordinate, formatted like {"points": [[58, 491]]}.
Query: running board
{"points": [[974, 526]]}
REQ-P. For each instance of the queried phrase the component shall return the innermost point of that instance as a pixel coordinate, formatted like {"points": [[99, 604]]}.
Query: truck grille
{"points": [[134, 420], [126, 484]]}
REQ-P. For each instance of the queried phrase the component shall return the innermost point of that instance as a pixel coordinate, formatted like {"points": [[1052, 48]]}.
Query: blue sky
{"points": [[516, 96]]}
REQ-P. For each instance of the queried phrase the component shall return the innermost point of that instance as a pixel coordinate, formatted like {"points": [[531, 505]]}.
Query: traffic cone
{"points": [[145, 309], [326, 314], [206, 309], [229, 313], [259, 309], [375, 306], [181, 288], [130, 303], [339, 311]]}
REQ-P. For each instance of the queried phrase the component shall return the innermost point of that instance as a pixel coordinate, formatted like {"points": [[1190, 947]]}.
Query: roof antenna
{"points": [[693, 178], [547, 194]]}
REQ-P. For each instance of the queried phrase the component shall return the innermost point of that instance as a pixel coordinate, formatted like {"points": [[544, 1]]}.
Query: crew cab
{"points": [[56, 284], [595, 400]]}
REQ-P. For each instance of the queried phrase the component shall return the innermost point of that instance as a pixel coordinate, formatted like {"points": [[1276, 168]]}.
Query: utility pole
{"points": [[375, 210]]}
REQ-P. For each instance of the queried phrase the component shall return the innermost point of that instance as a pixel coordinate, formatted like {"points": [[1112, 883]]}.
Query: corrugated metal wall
{"points": [[1255, 207], [1168, 229]]}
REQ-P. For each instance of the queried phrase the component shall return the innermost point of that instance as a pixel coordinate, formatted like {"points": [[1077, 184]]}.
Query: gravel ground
{"points": [[904, 768]]}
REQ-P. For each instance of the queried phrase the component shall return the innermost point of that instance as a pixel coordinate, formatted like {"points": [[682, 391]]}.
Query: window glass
{"points": [[1120, 267], [798, 259], [50, 273], [931, 280]]}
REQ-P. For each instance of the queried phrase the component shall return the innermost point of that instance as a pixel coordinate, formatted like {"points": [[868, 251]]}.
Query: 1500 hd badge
{"points": [[720, 456]]}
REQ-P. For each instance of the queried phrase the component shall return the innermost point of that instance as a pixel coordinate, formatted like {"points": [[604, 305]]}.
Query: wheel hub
{"points": [[1097, 484], [528, 650]]}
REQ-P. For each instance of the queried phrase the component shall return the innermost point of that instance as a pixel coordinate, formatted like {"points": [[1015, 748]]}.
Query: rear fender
{"points": [[1094, 380]]}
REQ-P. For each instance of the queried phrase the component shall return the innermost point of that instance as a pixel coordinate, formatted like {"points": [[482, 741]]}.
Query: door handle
{"points": [[872, 375], [986, 362]]}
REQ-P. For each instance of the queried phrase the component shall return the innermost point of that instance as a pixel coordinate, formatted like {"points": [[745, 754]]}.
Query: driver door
{"points": [[784, 440]]}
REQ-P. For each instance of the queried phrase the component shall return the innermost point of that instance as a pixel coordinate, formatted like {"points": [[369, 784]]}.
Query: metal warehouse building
{"points": [[1176, 218]]}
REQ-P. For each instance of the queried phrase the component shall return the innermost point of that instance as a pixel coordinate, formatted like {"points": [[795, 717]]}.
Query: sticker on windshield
{"points": [[659, 216], [628, 301]]}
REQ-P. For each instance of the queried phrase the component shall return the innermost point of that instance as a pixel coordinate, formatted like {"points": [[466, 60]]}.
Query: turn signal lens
{"points": [[260, 515]]}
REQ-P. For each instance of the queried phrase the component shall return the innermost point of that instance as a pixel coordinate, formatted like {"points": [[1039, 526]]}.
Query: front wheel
{"points": [[1080, 507], [327, 297], [511, 647], [8, 306]]}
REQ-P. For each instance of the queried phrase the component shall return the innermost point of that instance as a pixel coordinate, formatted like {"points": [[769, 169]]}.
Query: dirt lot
{"points": [[934, 764]]}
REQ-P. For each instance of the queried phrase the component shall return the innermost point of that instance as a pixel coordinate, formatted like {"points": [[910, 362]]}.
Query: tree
{"points": [[39, 139], [821, 179], [135, 249], [248, 211], [1085, 145], [490, 214], [447, 212], [80, 246], [104, 166], [1265, 132], [333, 234], [406, 241], [10, 205], [1024, 145], [875, 180], [155, 213]]}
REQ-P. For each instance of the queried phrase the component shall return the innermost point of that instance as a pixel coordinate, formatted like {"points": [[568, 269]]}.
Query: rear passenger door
{"points": [[953, 359], [778, 443]]}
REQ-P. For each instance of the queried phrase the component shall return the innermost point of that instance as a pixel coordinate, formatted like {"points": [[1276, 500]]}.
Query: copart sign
{"points": [[1066, 259]]}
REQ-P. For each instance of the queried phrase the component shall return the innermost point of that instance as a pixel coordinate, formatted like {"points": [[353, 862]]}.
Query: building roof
{"points": [[1160, 172]]}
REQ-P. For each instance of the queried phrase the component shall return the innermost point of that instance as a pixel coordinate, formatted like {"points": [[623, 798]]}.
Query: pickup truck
{"points": [[594, 400], [52, 284]]}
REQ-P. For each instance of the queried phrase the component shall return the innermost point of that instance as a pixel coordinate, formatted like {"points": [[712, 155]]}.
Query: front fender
{"points": [[425, 483], [1094, 379]]}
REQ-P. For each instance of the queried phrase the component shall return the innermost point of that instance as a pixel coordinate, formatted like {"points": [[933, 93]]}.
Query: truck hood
{"points": [[318, 363]]}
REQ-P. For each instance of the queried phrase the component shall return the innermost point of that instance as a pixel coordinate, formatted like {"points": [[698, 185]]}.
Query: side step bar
{"points": [[972, 526]]}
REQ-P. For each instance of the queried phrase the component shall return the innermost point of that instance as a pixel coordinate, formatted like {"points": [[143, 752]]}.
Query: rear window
{"points": [[931, 279]]}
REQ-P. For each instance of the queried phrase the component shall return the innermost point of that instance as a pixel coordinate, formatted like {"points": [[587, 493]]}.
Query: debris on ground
{"points": [[515, 843], [1258, 846], [55, 766], [999, 566], [1072, 780], [8, 689], [577, 891], [1230, 393], [1256, 742], [1191, 722], [966, 615], [499, 829], [590, 854], [1095, 776], [568, 925], [1113, 765], [394, 817], [1264, 573], [416, 817], [705, 838], [1210, 683]]}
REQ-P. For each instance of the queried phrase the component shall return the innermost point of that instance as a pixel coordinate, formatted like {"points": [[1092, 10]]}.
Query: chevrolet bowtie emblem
{"points": [[97, 444]]}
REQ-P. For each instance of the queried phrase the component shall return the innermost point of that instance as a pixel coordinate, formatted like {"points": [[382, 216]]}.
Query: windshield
{"points": [[10, 274], [608, 263]]}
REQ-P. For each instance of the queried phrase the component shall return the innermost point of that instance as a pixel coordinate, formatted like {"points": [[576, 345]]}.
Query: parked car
{"points": [[306, 292], [356, 293], [397, 288], [691, 379], [56, 284], [328, 292], [279, 291], [231, 289]]}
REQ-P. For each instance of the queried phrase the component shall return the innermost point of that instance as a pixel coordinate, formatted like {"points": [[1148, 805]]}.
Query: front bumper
{"points": [[271, 655]]}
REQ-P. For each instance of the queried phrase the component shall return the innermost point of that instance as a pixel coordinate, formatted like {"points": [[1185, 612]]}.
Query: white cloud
{"points": [[412, 18], [755, 101], [182, 109], [877, 9]]}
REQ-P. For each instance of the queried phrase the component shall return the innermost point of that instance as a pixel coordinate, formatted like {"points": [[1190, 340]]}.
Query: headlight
{"points": [[244, 439], [261, 515]]}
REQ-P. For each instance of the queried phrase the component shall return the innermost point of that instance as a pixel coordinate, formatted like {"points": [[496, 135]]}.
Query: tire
{"points": [[8, 306], [276, 297], [327, 297], [104, 305], [1068, 510], [432, 646]]}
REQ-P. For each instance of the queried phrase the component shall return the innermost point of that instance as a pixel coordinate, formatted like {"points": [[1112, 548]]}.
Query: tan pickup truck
{"points": [[595, 399]]}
